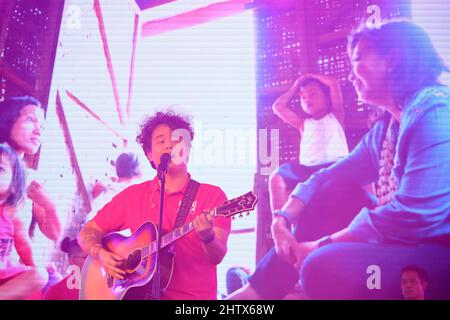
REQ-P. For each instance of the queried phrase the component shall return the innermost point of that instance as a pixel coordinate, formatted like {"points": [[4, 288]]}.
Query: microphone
{"points": [[164, 163]]}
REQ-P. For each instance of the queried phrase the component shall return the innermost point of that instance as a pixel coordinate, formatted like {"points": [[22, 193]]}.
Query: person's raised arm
{"points": [[281, 108]]}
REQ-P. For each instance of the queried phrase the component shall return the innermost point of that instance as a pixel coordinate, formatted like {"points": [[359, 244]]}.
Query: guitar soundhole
{"points": [[134, 259]]}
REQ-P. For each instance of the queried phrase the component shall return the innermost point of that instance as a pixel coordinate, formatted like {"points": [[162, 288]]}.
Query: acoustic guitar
{"points": [[139, 251]]}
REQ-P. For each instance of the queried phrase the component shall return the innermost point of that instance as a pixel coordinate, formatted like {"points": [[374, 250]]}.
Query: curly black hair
{"points": [[169, 118]]}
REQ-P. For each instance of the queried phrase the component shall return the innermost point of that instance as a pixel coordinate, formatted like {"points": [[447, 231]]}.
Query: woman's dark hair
{"points": [[9, 112], [419, 65], [169, 118], [16, 191], [127, 165]]}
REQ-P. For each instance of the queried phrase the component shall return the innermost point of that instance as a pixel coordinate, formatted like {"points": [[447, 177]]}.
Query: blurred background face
{"points": [[369, 74], [5, 173], [412, 286], [26, 132], [313, 99]]}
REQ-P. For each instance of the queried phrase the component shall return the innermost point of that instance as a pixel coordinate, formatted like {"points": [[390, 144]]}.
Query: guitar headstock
{"points": [[229, 208]]}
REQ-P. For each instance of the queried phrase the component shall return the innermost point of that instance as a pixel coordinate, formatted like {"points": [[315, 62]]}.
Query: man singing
{"points": [[194, 275]]}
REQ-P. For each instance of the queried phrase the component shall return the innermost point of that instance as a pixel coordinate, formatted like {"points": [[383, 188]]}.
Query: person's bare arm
{"points": [[281, 108], [216, 248], [44, 211], [287, 246], [90, 236], [23, 247], [284, 241], [90, 240]]}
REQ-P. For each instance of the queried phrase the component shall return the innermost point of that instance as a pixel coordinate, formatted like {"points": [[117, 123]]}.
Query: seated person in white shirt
{"points": [[319, 120]]}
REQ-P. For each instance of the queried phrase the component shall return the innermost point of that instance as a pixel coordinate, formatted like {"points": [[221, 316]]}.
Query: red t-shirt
{"points": [[62, 291], [194, 277]]}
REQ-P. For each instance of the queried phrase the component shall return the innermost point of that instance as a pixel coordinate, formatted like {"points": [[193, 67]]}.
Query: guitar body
{"points": [[97, 285]]}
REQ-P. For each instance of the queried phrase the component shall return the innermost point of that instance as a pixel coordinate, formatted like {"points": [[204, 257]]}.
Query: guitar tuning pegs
{"points": [[240, 215], [233, 218], [247, 213]]}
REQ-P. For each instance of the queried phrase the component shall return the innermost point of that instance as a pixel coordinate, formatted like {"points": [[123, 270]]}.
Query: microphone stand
{"points": [[157, 276]]}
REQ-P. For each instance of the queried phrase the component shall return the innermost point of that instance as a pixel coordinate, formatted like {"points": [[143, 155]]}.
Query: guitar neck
{"points": [[169, 238], [175, 234], [229, 208]]}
